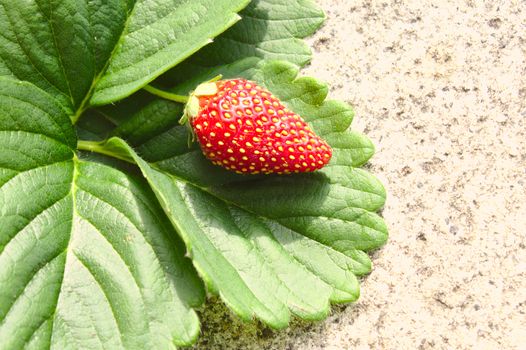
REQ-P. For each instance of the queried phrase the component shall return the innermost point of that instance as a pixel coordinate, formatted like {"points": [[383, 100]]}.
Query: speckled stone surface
{"points": [[440, 87]]}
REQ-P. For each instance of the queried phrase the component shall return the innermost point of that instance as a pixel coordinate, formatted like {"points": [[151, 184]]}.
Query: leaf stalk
{"points": [[166, 95], [101, 148]]}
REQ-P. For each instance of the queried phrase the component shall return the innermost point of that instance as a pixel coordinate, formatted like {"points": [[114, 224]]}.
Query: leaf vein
{"points": [[59, 54], [30, 60], [2, 249], [2, 322], [112, 308], [227, 261]]}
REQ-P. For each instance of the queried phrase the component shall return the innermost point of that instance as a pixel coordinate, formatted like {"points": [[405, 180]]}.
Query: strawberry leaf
{"points": [[271, 245], [96, 52], [88, 259], [268, 29], [89, 254]]}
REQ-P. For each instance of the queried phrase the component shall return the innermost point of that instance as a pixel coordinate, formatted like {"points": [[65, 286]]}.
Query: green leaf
{"points": [[88, 258], [96, 52], [270, 245], [268, 29]]}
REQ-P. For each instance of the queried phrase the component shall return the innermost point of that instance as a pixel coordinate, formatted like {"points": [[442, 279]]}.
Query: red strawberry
{"points": [[244, 128]]}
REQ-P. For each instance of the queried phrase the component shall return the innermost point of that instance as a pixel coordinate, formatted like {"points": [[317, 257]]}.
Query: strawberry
{"points": [[244, 128]]}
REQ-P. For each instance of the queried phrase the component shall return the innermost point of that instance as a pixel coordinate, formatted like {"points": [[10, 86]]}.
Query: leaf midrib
{"points": [[22, 47], [59, 54], [85, 102]]}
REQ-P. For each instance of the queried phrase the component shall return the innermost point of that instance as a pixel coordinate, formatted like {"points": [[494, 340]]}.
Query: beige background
{"points": [[440, 87]]}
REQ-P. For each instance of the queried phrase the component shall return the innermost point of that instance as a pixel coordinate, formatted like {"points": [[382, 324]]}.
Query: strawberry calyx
{"points": [[192, 106], [191, 109]]}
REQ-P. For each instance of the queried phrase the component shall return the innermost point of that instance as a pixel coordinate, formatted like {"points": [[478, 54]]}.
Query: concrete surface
{"points": [[440, 87]]}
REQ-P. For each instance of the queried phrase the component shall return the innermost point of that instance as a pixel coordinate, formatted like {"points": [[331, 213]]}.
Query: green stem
{"points": [[101, 148], [75, 118], [216, 78], [166, 95]]}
